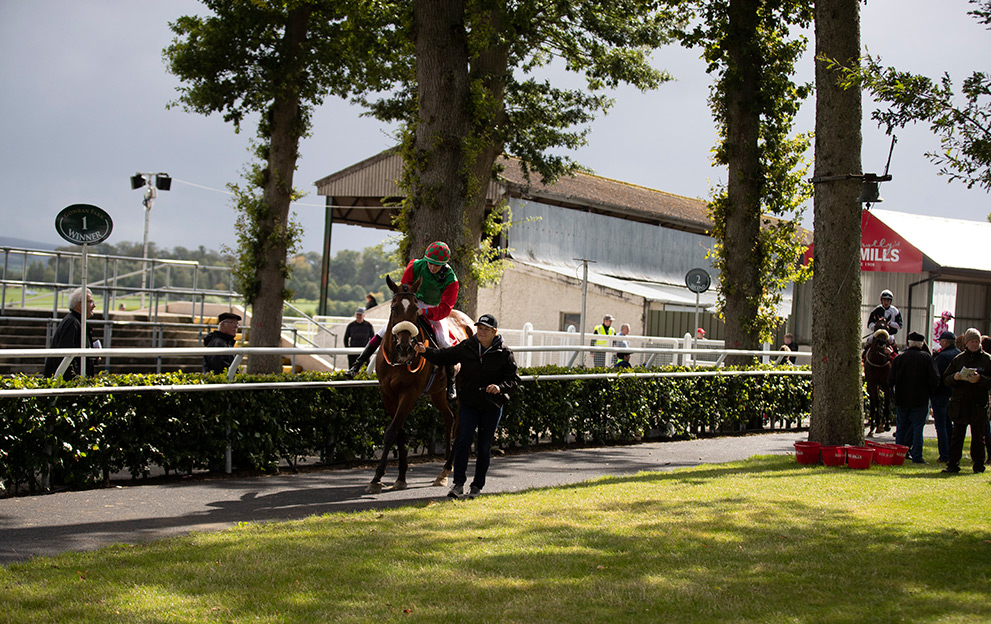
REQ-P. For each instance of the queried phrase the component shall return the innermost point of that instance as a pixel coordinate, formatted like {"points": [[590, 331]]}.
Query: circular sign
{"points": [[698, 280], [83, 224]]}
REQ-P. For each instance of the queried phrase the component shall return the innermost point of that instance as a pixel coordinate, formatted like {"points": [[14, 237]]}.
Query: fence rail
{"points": [[240, 352]]}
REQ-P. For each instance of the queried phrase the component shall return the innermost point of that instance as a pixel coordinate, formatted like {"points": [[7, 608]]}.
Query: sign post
{"points": [[83, 224], [698, 281]]}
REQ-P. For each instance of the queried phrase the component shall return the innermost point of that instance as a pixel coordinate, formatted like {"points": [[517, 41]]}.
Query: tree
{"points": [[964, 129], [277, 59], [473, 96], [754, 102], [837, 398]]}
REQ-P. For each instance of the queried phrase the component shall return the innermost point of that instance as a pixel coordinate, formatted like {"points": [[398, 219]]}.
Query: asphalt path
{"points": [[49, 524]]}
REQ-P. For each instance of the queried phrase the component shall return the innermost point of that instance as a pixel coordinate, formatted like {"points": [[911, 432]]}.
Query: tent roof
{"points": [[943, 240]]}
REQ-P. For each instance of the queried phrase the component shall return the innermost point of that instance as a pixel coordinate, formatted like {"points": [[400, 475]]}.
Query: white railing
{"points": [[240, 352]]}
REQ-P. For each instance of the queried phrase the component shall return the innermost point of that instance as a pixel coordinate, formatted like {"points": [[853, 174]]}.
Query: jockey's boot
{"points": [[364, 357], [452, 392]]}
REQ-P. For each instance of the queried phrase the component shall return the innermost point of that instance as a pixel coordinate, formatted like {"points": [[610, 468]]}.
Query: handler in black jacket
{"points": [[913, 379], [488, 375]]}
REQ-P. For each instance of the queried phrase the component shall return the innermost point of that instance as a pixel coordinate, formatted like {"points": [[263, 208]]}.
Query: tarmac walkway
{"points": [[79, 521]]}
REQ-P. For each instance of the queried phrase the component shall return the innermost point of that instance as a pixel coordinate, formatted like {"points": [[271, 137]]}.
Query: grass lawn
{"points": [[764, 540]]}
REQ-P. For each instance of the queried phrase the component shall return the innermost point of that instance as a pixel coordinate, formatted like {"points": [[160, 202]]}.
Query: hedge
{"points": [[80, 441]]}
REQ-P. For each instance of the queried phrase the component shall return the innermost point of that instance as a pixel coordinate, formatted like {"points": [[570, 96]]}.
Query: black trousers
{"points": [[962, 415]]}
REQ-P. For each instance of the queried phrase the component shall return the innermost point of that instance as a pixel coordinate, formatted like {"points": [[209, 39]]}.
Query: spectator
{"points": [[969, 376], [940, 400], [943, 324], [604, 329], [789, 345], [370, 301], [624, 331], [913, 379], [222, 337], [623, 361], [700, 334], [68, 335], [488, 375], [358, 333]]}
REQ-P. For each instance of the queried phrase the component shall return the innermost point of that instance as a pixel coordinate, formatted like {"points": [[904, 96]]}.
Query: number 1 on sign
{"points": [[84, 224]]}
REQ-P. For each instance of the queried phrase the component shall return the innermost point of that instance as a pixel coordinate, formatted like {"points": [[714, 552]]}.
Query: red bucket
{"points": [[884, 454], [807, 453], [900, 452], [833, 455], [859, 457], [873, 444]]}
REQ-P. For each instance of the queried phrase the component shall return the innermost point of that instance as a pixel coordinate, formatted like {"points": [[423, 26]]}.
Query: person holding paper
{"points": [[969, 376]]}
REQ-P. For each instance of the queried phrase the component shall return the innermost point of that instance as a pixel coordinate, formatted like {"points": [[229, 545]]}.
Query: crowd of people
{"points": [[953, 380]]}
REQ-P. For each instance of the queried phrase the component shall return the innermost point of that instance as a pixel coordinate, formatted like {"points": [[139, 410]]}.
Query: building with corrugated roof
{"points": [[640, 244]]}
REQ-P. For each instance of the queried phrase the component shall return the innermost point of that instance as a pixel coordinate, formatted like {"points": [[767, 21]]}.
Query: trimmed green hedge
{"points": [[79, 441]]}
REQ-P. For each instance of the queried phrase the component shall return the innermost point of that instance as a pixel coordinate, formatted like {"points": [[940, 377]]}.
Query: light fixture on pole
{"points": [[162, 182]]}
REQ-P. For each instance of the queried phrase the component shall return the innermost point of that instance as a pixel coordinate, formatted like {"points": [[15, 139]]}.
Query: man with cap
{"points": [[913, 379], [603, 329], [969, 377], [357, 334], [223, 336], [488, 375], [940, 400]]}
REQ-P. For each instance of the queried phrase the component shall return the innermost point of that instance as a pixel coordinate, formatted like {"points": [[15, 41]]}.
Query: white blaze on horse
{"points": [[404, 375]]}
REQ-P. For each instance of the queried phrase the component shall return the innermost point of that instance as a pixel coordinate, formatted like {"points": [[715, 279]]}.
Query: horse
{"points": [[877, 367], [403, 376]]}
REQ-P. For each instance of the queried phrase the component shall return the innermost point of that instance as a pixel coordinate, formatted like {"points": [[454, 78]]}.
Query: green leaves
{"points": [[80, 441]]}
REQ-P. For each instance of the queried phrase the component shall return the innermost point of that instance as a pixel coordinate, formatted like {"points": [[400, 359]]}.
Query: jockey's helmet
{"points": [[886, 294], [438, 253]]}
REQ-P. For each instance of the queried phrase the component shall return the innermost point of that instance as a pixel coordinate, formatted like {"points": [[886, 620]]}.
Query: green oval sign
{"points": [[698, 280], [83, 224]]}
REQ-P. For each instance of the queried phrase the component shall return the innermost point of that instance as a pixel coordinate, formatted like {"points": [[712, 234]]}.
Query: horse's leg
{"points": [[871, 409], [375, 487], [400, 482], [886, 414]]}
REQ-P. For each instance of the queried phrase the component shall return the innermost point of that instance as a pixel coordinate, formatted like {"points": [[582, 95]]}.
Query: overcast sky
{"points": [[83, 90]]}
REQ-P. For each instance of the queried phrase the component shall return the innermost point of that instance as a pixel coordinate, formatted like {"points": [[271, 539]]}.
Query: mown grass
{"points": [[763, 540]]}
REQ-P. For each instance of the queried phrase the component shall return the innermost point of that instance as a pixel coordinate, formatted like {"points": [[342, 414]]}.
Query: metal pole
{"points": [[695, 330], [581, 339], [148, 202], [83, 313]]}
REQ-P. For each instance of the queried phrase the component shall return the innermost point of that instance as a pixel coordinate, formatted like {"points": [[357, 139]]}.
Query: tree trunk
{"points": [[283, 125], [837, 404], [740, 278], [436, 167]]}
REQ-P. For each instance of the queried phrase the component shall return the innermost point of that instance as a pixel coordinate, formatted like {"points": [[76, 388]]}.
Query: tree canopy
{"points": [[276, 59], [962, 120]]}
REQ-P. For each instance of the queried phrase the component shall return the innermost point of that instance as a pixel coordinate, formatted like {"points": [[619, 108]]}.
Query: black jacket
{"points": [[942, 360], [973, 394], [913, 378], [480, 367], [358, 334], [67, 336], [217, 363]]}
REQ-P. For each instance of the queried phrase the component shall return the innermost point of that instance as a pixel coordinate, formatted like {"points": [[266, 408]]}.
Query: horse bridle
{"points": [[414, 338]]}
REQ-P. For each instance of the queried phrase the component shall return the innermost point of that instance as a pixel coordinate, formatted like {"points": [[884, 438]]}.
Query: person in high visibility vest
{"points": [[604, 329]]}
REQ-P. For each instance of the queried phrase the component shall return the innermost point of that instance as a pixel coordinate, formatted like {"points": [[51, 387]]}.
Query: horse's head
{"points": [[402, 329]]}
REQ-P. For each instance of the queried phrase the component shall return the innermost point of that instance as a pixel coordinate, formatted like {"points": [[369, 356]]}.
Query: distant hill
{"points": [[9, 241]]}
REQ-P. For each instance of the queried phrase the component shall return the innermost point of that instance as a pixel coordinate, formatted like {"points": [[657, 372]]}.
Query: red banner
{"points": [[882, 249]]}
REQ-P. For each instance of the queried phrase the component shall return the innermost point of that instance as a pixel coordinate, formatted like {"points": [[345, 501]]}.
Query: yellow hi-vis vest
{"points": [[602, 331]]}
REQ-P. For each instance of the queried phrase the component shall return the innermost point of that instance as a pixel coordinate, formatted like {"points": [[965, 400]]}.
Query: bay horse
{"points": [[404, 375], [877, 368]]}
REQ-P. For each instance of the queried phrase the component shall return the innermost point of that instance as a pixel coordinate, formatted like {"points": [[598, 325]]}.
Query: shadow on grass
{"points": [[644, 547]]}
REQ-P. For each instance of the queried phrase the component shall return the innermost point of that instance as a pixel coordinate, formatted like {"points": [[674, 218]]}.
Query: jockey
{"points": [[887, 311], [437, 294]]}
